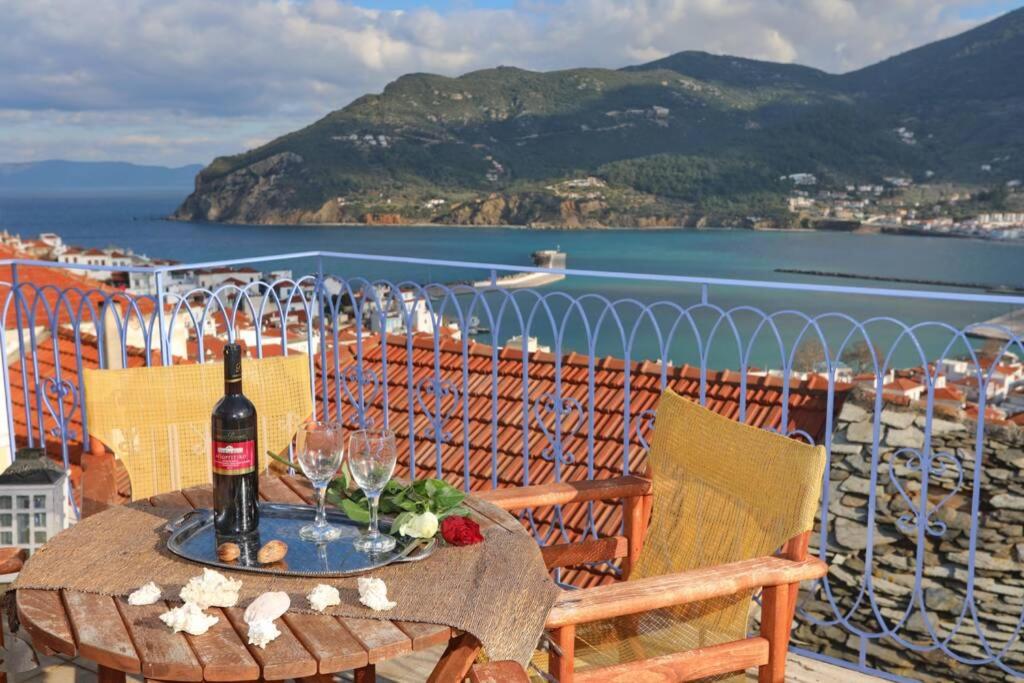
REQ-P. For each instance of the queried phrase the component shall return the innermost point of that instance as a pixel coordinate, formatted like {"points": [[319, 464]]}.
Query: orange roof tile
{"points": [[480, 449]]}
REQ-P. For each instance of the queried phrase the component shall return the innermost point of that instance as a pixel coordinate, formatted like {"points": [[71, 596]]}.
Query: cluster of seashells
{"points": [[213, 589]]}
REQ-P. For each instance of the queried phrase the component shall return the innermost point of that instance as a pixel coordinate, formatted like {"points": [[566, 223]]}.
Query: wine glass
{"points": [[371, 460], [319, 447]]}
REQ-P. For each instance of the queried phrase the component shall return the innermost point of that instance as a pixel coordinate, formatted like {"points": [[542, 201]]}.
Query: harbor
{"points": [[545, 258], [1001, 328]]}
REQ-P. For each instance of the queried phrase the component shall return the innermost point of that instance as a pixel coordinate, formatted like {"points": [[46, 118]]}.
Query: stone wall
{"points": [[998, 588]]}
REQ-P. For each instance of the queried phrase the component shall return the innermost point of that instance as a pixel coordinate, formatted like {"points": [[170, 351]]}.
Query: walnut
{"points": [[272, 552], [228, 552]]}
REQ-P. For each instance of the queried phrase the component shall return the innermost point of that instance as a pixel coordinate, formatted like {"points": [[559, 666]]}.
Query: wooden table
{"points": [[131, 639]]}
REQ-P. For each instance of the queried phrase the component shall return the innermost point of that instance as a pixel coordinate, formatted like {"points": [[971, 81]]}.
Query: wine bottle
{"points": [[235, 479]]}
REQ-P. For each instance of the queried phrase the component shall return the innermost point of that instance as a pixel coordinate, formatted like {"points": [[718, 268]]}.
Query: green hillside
{"points": [[686, 139]]}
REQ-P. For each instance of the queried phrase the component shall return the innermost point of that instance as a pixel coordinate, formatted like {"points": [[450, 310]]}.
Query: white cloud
{"points": [[84, 78]]}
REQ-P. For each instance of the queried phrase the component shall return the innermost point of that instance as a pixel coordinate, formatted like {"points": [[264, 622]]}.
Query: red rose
{"points": [[460, 531]]}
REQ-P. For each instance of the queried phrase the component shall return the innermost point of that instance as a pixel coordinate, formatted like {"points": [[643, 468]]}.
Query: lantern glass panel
{"points": [[5, 502], [23, 502], [39, 502]]}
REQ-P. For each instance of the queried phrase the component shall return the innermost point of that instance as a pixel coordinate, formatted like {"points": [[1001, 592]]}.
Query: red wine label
{"points": [[237, 457]]}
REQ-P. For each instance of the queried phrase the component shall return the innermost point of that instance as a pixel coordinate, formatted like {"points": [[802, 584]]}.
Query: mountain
{"points": [[693, 138], [72, 175]]}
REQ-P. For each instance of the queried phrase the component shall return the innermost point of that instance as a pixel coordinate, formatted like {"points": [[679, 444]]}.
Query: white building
{"points": [[532, 345], [112, 259], [215, 277]]}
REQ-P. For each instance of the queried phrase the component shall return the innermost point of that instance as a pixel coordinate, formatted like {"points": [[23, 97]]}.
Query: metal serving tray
{"points": [[193, 538]]}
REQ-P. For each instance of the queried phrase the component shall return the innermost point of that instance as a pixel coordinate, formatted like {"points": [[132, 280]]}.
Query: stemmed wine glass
{"points": [[371, 460], [320, 447]]}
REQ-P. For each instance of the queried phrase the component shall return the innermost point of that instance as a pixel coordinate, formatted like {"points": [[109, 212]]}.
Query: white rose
{"points": [[423, 525]]}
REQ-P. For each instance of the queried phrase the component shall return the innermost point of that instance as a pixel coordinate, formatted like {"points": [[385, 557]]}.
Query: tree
{"points": [[809, 353], [862, 356]]}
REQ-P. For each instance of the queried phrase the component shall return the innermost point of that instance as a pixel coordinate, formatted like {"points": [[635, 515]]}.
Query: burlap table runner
{"points": [[498, 590]]}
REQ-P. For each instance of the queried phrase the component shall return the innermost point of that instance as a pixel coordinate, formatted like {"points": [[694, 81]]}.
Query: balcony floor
{"points": [[414, 669]]}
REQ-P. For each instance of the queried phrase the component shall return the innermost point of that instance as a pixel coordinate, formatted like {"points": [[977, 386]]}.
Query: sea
{"points": [[135, 219]]}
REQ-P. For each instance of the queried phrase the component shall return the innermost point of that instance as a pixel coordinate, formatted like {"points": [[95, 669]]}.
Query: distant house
{"points": [[904, 387], [801, 178], [950, 396]]}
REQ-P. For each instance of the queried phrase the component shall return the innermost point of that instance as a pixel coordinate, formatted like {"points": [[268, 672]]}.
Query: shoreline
{"points": [[608, 228]]}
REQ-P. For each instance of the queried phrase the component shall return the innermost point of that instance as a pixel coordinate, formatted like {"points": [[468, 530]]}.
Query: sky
{"points": [[182, 81]]}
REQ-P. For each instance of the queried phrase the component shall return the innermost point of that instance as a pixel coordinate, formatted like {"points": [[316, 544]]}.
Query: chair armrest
{"points": [[12, 559], [640, 595], [498, 672], [566, 492]]}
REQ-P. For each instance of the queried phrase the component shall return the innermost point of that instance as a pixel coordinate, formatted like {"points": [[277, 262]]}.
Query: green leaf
{"points": [[458, 511], [355, 511], [285, 461], [399, 521], [444, 496]]}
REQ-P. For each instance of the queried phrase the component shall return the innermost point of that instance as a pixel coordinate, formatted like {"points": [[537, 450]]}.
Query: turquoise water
{"points": [[134, 220]]}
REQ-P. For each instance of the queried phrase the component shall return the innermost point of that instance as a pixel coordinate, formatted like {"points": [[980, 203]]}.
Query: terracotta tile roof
{"points": [[52, 283], [476, 451], [992, 415], [948, 393], [902, 384], [44, 359], [32, 388]]}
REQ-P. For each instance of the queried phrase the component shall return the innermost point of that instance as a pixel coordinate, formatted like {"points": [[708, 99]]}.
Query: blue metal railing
{"points": [[906, 500]]}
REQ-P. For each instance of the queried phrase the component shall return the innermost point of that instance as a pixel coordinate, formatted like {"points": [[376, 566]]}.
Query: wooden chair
{"points": [[11, 562], [149, 428], [498, 672], [731, 510]]}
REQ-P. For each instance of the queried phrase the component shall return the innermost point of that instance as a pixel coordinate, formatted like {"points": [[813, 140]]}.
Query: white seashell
{"points": [[262, 632], [188, 618], [267, 607], [323, 596], [374, 594], [146, 595], [211, 589]]}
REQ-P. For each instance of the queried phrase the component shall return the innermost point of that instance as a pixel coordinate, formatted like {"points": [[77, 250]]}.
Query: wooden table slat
{"points": [[485, 518], [424, 635], [100, 632], [329, 642], [301, 486], [42, 614], [131, 639], [381, 639], [164, 655], [199, 496], [174, 499], [284, 657], [222, 652], [274, 490]]}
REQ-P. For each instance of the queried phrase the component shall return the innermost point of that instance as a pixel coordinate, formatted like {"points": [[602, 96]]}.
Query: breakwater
{"points": [[1007, 289]]}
